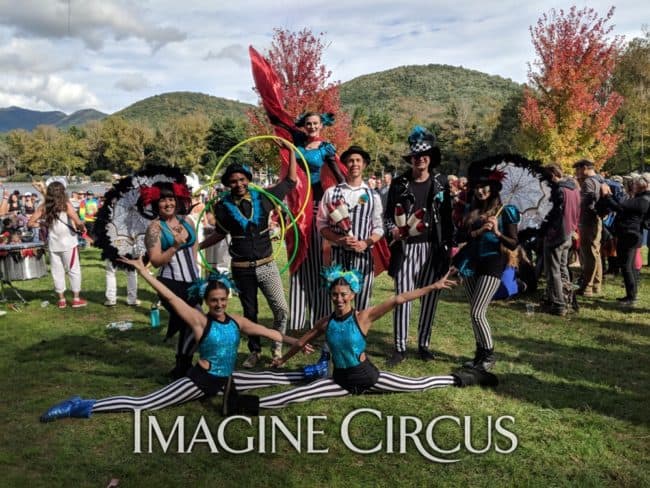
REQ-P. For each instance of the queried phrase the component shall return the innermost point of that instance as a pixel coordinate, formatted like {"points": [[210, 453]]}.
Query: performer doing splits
{"points": [[218, 336], [345, 331]]}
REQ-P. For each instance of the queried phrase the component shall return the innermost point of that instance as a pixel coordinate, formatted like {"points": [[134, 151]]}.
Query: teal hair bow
{"points": [[199, 285], [353, 277]]}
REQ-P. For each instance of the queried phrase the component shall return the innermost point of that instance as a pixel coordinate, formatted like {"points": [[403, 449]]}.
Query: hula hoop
{"points": [[273, 198], [267, 137], [279, 203]]}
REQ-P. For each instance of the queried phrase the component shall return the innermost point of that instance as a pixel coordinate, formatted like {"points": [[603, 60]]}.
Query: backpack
{"points": [[618, 195]]}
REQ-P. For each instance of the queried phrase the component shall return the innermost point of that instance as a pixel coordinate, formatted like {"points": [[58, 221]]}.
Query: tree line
{"points": [[587, 97]]}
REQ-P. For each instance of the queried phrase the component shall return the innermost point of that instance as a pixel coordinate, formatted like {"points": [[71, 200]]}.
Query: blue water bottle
{"points": [[154, 315]]}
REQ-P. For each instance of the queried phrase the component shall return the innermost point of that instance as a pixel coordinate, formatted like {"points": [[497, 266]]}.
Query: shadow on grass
{"points": [[71, 353], [627, 406], [617, 376]]}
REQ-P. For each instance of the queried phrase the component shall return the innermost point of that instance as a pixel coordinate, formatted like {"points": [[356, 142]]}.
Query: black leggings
{"points": [[626, 247]]}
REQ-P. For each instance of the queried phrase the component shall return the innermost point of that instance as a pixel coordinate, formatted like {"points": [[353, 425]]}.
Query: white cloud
{"points": [[91, 21], [52, 90], [139, 55], [23, 56], [234, 52], [132, 82]]}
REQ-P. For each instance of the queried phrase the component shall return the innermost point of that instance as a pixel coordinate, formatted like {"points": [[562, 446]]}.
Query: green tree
{"points": [[224, 133], [181, 142], [632, 80], [121, 145]]}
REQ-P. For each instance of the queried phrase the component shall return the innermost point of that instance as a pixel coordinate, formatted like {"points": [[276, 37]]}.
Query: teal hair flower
{"points": [[199, 285], [353, 277]]}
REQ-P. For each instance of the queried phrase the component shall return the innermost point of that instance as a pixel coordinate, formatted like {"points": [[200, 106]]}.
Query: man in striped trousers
{"points": [[352, 248], [419, 254]]}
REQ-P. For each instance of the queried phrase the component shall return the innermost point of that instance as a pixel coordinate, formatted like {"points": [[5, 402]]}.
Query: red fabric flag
{"points": [[269, 88]]}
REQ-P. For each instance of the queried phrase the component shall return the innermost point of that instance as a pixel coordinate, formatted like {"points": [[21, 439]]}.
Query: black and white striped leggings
{"points": [[306, 293], [480, 290], [327, 388], [185, 390], [415, 272]]}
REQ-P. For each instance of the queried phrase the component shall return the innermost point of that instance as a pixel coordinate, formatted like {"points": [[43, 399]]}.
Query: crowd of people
{"points": [[433, 224]]}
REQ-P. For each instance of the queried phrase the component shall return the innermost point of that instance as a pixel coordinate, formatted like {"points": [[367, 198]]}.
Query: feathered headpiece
{"points": [[326, 118], [199, 285], [151, 194], [423, 143], [353, 277]]}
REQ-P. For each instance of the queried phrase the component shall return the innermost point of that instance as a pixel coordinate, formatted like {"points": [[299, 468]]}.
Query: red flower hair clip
{"points": [[497, 175], [149, 194]]}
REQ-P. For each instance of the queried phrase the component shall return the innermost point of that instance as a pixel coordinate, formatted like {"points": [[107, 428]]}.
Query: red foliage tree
{"points": [[297, 59], [568, 109]]}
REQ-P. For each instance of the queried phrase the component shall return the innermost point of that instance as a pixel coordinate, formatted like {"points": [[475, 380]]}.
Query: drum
{"points": [[24, 261]]}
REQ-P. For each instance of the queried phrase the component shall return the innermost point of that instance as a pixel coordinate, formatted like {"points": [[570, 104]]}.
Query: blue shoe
{"points": [[72, 407], [320, 369]]}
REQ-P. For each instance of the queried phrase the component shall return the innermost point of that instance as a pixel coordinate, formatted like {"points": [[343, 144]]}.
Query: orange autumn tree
{"points": [[568, 108], [297, 59]]}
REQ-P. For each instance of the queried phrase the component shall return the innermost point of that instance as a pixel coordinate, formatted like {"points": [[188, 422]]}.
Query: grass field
{"points": [[577, 388]]}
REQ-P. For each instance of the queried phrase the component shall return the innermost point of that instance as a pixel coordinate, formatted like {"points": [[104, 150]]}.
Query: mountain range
{"points": [[404, 92]]}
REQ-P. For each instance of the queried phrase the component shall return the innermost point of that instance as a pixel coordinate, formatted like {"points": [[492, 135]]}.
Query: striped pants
{"points": [[184, 390], [265, 278], [417, 271], [362, 262], [480, 290], [327, 388], [307, 295]]}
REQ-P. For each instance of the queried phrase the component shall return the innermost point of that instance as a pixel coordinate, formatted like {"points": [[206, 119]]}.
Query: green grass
{"points": [[577, 388]]}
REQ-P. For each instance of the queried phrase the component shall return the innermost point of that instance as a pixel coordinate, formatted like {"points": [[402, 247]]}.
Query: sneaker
{"points": [[251, 360], [62, 303], [629, 302], [396, 358], [425, 354], [134, 304], [79, 303], [109, 303]]}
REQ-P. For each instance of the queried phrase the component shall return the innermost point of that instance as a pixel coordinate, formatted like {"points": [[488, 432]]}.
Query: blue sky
{"points": [[106, 54]]}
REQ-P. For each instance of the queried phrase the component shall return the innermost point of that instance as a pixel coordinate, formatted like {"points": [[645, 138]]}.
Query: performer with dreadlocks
{"points": [[346, 331], [217, 334], [244, 214], [418, 218]]}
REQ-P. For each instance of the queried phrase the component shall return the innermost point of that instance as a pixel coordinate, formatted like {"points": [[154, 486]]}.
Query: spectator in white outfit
{"points": [[63, 223], [111, 286]]}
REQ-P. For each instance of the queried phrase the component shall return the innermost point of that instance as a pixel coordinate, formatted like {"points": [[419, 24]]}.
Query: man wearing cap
{"points": [[244, 214], [352, 249], [591, 227], [418, 259]]}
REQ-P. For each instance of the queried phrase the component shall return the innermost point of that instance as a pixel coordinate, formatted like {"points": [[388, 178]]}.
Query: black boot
{"points": [[487, 360], [473, 376], [477, 356], [483, 359]]}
